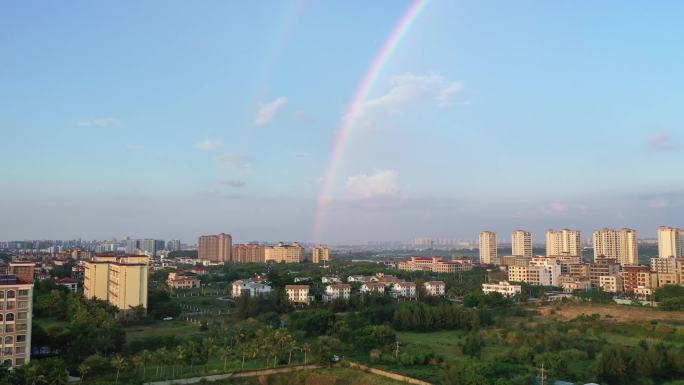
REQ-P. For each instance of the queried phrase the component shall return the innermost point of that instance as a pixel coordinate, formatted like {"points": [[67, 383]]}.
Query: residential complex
{"points": [[563, 242], [521, 243], [120, 281], [182, 280], [281, 252], [620, 244], [435, 288], [337, 291], [15, 320], [215, 248], [298, 293], [488, 253], [251, 287], [320, 254], [435, 265], [249, 253]]}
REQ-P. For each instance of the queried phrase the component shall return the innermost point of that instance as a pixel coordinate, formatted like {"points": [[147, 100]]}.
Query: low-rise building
{"points": [[434, 287], [602, 266], [436, 265], [571, 284], [359, 278], [250, 287], [69, 283], [199, 270], [403, 290], [504, 288], [630, 276], [373, 288], [328, 280], [337, 291], [664, 264], [183, 280], [643, 293], [611, 283], [298, 293]]}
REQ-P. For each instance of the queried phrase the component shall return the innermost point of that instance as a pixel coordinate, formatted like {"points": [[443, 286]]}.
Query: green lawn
{"points": [[445, 343], [177, 328]]}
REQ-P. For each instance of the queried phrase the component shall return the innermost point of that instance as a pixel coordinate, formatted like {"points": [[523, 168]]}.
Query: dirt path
{"points": [[254, 373]]}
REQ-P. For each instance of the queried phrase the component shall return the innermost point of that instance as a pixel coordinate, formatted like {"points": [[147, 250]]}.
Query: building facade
{"points": [[670, 242], [249, 253], [337, 291], [215, 248], [281, 252], [298, 293], [434, 288], [120, 281], [563, 243], [620, 244], [15, 320], [504, 288], [320, 254], [488, 253], [521, 243]]}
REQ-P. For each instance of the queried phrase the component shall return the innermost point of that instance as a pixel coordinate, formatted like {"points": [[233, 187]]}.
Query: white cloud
{"points": [[404, 90], [445, 97], [381, 182], [100, 123], [237, 160], [661, 141], [208, 145], [233, 183], [268, 111]]}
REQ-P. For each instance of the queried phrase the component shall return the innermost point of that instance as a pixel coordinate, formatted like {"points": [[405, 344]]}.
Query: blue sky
{"points": [[171, 119]]}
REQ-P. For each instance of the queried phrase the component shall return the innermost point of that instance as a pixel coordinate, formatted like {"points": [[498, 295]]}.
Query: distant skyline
{"points": [[174, 119]]}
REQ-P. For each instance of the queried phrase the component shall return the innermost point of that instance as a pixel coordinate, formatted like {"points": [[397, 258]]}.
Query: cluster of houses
{"points": [[336, 290]]}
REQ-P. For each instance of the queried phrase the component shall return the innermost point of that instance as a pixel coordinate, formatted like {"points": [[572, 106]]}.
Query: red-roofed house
{"points": [[69, 283]]}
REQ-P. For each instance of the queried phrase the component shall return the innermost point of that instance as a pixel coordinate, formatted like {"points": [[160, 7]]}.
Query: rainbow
{"points": [[349, 118]]}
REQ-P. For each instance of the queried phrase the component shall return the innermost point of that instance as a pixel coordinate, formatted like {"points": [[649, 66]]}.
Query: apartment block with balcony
{"points": [[337, 291], [320, 254], [15, 320], [282, 252], [488, 252], [521, 243], [120, 281], [298, 294], [434, 288], [504, 288]]}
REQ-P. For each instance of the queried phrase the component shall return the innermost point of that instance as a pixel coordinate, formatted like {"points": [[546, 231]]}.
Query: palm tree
{"points": [[209, 347], [118, 363], [180, 357], [306, 347], [224, 352], [83, 369], [160, 357], [146, 357]]}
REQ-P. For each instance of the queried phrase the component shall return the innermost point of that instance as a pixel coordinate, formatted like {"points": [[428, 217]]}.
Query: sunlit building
{"points": [[249, 253], [15, 320], [670, 242], [120, 281], [504, 288], [521, 243], [320, 254], [619, 244], [281, 252], [488, 254], [563, 243], [215, 248]]}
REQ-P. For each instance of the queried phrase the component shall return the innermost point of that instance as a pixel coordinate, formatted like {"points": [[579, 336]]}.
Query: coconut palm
{"points": [[305, 348], [118, 363], [208, 346], [83, 369], [180, 355], [224, 352]]}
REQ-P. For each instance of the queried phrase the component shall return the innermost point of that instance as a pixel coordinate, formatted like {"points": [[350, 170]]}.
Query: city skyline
{"points": [[140, 120]]}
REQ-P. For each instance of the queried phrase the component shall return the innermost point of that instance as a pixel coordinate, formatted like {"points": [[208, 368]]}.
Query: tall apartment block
{"points": [[216, 248], [488, 253], [15, 320], [120, 281], [620, 244], [670, 242], [521, 243], [249, 253], [563, 243], [281, 252], [320, 254]]}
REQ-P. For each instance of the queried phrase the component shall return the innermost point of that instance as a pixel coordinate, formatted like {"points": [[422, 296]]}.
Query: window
{"points": [[11, 294], [23, 293], [9, 329], [9, 317], [9, 305], [19, 350], [8, 352], [9, 340], [20, 361], [1, 317], [22, 305], [21, 338], [21, 315], [2, 294]]}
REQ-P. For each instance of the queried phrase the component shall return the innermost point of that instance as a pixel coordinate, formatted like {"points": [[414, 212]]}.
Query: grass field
{"points": [[162, 329], [336, 376], [620, 313]]}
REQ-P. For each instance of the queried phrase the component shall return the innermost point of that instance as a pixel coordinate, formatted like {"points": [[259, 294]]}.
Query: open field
{"points": [[619, 313], [176, 328], [336, 376]]}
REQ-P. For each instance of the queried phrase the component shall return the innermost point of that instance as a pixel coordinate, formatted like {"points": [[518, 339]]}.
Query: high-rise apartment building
{"points": [[24, 270], [249, 253], [15, 320], [521, 243], [120, 281], [488, 253], [670, 242], [281, 252], [563, 243], [216, 248], [320, 254], [173, 245], [620, 244]]}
